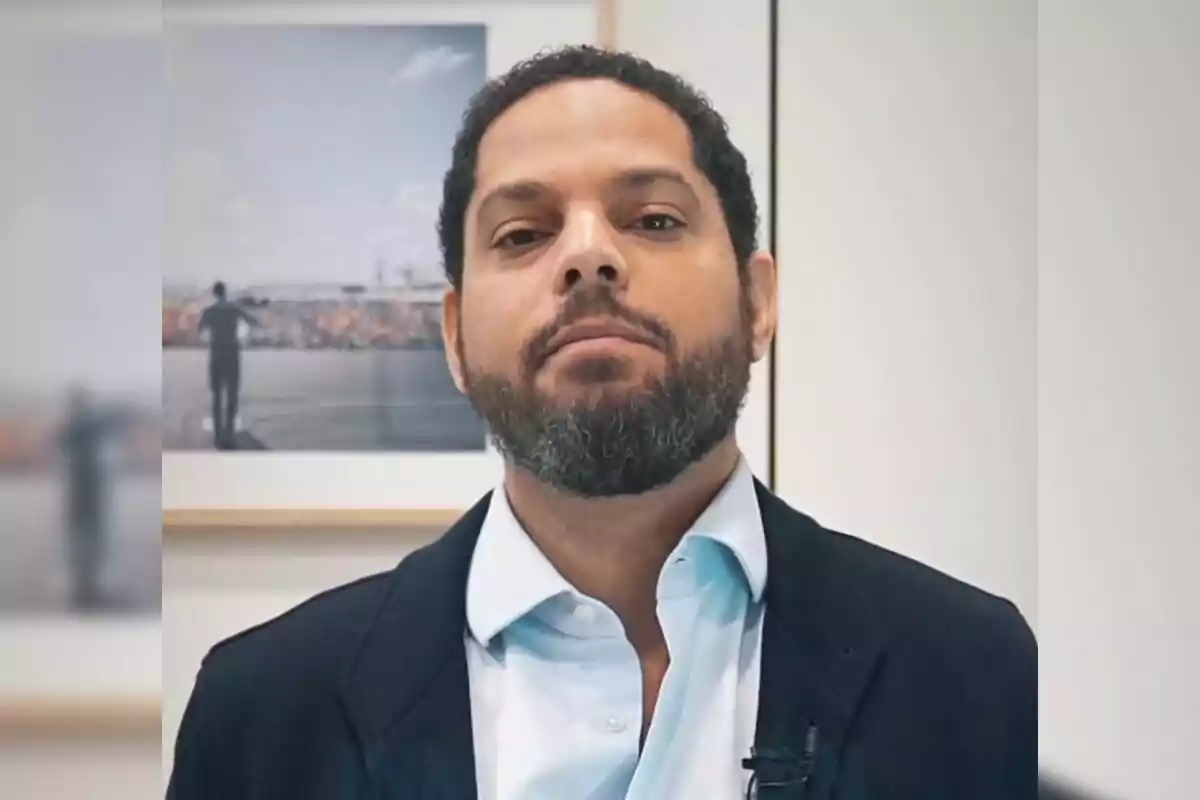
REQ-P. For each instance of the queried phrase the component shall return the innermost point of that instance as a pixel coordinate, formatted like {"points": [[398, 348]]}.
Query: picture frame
{"points": [[60, 679], [80, 718], [209, 492]]}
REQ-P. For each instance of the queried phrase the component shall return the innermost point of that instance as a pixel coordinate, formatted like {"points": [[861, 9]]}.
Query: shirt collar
{"points": [[509, 576]]}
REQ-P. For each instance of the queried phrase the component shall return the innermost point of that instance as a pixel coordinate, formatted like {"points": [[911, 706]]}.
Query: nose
{"points": [[589, 255]]}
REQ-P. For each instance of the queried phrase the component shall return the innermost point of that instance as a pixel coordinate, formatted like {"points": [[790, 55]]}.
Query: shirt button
{"points": [[615, 725]]}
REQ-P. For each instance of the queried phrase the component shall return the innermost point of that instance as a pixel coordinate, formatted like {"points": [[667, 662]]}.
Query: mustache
{"points": [[588, 303]]}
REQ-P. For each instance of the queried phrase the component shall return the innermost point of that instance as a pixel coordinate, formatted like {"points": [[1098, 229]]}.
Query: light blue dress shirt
{"points": [[556, 688]]}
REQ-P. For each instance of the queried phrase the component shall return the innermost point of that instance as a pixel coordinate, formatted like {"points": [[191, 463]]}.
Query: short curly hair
{"points": [[712, 151]]}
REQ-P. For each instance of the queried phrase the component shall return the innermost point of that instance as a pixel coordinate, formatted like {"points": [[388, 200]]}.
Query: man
{"points": [[221, 320], [83, 439], [631, 614]]}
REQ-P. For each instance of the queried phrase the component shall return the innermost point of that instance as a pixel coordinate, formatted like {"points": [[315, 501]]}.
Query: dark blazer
{"points": [[920, 687]]}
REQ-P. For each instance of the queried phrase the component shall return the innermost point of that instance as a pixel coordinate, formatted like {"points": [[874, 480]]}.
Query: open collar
{"points": [[509, 576]]}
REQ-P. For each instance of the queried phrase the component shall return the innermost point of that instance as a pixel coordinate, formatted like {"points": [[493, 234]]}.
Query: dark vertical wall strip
{"points": [[772, 128]]}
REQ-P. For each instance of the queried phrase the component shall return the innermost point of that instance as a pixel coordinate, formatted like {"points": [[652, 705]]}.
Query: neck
{"points": [[614, 548]]}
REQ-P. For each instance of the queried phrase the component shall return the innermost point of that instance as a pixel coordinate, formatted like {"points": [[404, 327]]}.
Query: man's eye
{"points": [[522, 237], [658, 222]]}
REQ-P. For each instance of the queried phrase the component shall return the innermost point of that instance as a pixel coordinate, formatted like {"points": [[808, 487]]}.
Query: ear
{"points": [[763, 287], [451, 314]]}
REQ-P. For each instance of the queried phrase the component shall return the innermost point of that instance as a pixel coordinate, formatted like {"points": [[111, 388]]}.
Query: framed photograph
{"points": [[304, 380]]}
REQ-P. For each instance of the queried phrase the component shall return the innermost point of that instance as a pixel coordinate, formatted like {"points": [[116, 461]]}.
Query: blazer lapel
{"points": [[407, 690], [821, 644]]}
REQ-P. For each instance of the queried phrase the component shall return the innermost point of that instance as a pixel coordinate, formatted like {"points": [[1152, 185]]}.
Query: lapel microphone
{"points": [[780, 773]]}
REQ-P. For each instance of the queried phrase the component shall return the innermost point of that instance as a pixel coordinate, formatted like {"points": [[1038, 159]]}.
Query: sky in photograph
{"points": [[311, 153]]}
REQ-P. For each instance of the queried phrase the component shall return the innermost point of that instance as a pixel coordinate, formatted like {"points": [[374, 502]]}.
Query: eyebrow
{"points": [[636, 178], [648, 176], [518, 192]]}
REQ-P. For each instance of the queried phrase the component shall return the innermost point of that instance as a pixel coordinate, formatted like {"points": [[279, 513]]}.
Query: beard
{"points": [[616, 441]]}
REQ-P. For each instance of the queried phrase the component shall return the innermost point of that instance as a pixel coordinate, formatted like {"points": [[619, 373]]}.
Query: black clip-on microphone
{"points": [[779, 773]]}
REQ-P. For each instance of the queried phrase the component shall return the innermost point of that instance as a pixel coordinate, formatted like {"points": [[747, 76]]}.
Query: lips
{"points": [[599, 330]]}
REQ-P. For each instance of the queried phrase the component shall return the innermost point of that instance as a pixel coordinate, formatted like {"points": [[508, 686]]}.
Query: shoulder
{"points": [[956, 668], [912, 596], [303, 651], [310, 646], [255, 690], [278, 686], [921, 610], [298, 653]]}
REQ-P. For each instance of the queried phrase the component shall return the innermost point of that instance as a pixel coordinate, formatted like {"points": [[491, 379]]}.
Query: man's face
{"points": [[603, 330]]}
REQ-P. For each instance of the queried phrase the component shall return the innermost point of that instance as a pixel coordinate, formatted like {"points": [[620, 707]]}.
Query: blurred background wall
{"points": [[80, 566]]}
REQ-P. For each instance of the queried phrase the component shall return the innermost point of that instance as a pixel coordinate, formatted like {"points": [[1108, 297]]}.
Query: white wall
{"points": [[906, 388], [1119, 395]]}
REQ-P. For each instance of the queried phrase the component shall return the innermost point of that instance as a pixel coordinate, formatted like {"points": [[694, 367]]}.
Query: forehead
{"points": [[582, 129]]}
